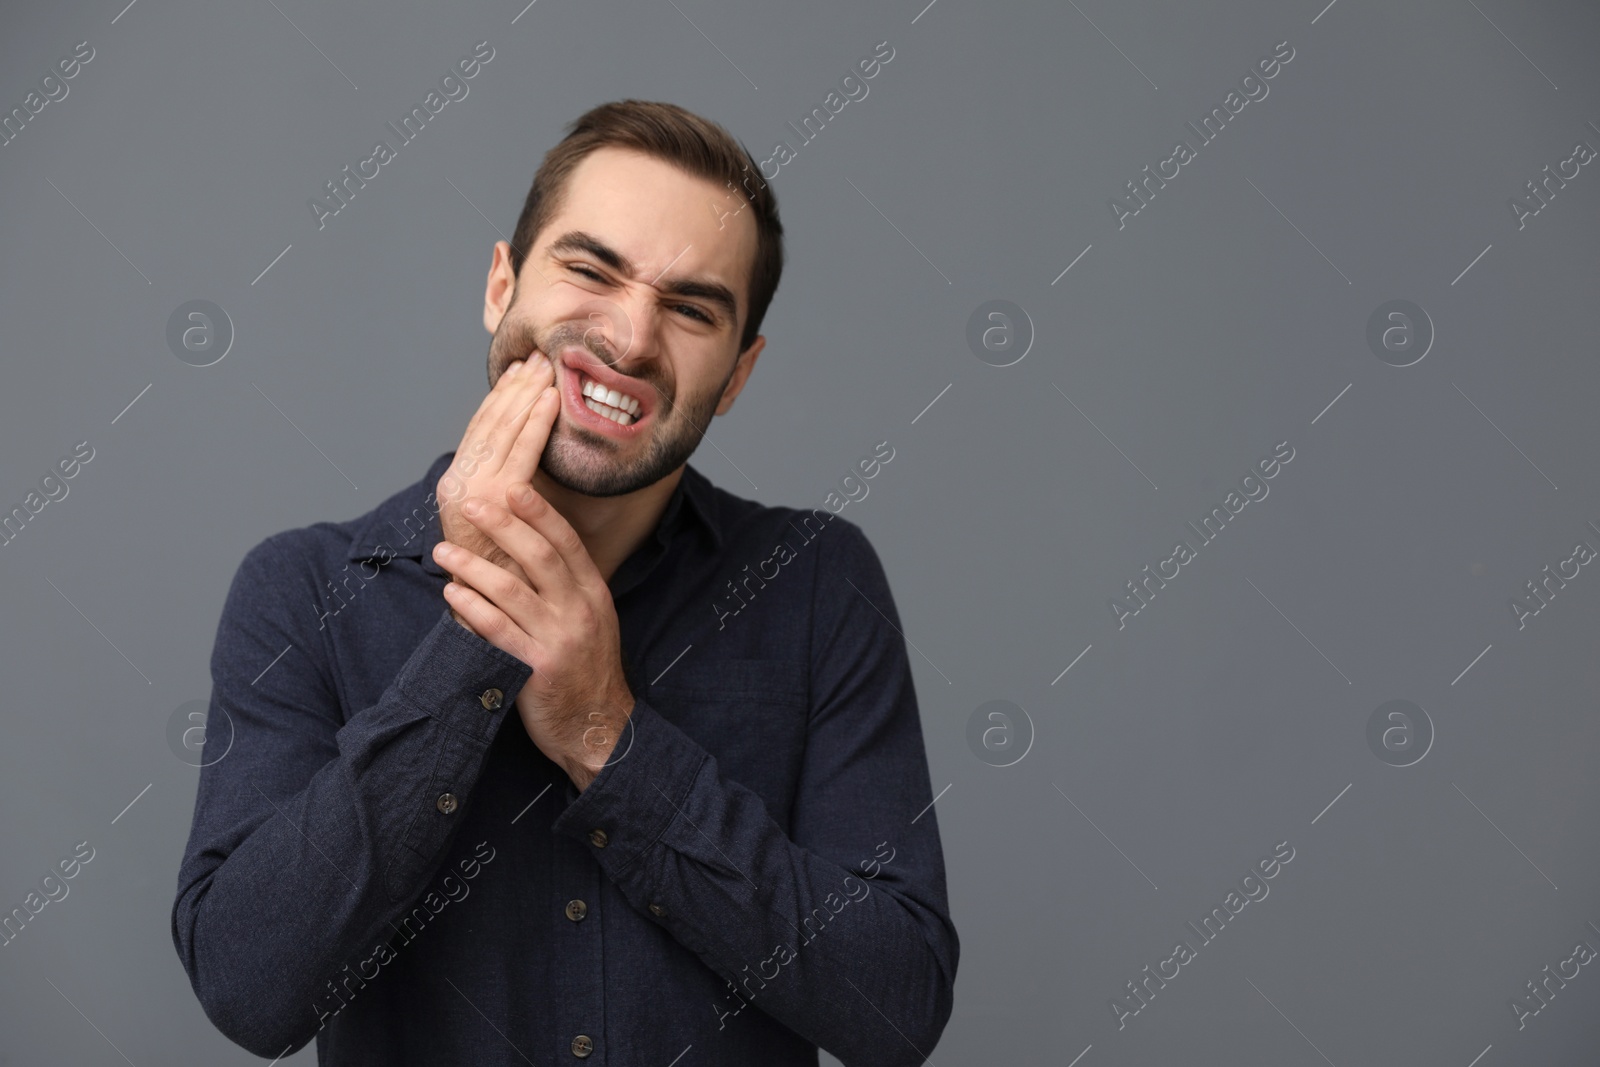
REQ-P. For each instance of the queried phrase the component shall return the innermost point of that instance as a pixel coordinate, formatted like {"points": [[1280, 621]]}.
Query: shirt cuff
{"points": [[635, 797], [462, 680]]}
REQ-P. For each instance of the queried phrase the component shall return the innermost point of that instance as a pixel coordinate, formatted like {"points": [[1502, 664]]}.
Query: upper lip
{"points": [[577, 360]]}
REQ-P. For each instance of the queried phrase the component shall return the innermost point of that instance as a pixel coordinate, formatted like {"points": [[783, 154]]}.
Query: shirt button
{"points": [[446, 803], [576, 910], [491, 698], [582, 1046], [658, 911], [598, 838]]}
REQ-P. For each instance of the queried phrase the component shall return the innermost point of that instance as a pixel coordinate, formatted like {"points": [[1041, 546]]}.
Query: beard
{"points": [[583, 461]]}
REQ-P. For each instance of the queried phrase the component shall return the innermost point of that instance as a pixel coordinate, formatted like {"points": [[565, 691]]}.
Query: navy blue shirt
{"points": [[385, 862]]}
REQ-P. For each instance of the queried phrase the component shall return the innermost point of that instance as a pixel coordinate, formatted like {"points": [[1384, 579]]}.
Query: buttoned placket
{"points": [[580, 944], [580, 883]]}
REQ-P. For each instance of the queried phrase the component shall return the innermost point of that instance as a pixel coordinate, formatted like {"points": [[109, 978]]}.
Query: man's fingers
{"points": [[525, 503], [484, 546], [504, 415], [477, 448], [546, 568], [533, 435], [493, 401], [500, 587], [489, 622]]}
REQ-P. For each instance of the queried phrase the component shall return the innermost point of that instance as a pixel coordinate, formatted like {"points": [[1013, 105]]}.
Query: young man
{"points": [[577, 756]]}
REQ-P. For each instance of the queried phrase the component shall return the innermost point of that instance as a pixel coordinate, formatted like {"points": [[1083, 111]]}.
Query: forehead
{"points": [[659, 216]]}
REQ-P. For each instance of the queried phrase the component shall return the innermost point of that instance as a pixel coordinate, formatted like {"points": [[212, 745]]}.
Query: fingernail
{"points": [[523, 494]]}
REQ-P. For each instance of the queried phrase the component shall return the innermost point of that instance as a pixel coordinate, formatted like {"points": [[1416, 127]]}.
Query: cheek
{"points": [[515, 338], [708, 387]]}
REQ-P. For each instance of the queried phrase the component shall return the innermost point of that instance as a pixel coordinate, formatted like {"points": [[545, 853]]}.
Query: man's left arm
{"points": [[840, 931]]}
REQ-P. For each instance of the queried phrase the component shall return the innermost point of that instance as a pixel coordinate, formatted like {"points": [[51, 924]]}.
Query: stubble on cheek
{"points": [[512, 342], [585, 460]]}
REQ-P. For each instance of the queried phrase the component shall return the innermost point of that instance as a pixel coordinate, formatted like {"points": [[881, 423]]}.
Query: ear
{"points": [[501, 287], [741, 373]]}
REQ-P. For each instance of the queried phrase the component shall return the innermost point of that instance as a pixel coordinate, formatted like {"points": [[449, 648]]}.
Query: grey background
{"points": [[1222, 319]]}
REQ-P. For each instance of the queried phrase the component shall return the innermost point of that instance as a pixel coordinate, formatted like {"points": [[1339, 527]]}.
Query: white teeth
{"points": [[610, 397], [621, 418]]}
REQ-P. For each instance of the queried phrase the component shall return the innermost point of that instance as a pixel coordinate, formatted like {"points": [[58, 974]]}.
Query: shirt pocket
{"points": [[750, 714]]}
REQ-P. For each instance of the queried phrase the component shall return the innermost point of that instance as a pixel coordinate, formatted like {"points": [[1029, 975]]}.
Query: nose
{"points": [[626, 327]]}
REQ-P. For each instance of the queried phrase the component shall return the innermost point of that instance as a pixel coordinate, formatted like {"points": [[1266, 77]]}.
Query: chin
{"points": [[578, 467]]}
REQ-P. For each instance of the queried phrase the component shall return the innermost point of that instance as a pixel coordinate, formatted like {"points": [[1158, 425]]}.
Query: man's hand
{"points": [[500, 448], [557, 616]]}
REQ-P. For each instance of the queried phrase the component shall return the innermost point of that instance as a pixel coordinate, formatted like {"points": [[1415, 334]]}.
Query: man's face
{"points": [[627, 290]]}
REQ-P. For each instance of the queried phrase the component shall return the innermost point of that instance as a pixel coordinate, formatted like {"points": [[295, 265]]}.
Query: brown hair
{"points": [[696, 145]]}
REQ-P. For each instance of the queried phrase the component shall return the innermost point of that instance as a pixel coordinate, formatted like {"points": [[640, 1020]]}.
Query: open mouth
{"points": [[620, 409], [603, 408]]}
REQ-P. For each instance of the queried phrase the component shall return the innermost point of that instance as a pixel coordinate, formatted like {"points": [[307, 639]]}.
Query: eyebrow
{"points": [[702, 288]]}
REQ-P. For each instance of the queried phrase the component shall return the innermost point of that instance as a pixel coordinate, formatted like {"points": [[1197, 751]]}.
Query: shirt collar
{"points": [[407, 524]]}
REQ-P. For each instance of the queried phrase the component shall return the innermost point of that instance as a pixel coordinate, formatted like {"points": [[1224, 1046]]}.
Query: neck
{"points": [[610, 527]]}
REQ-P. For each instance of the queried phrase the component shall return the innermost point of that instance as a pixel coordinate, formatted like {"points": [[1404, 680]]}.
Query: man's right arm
{"points": [[316, 830]]}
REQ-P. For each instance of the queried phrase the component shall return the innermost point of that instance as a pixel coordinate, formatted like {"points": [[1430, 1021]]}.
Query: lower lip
{"points": [[577, 409]]}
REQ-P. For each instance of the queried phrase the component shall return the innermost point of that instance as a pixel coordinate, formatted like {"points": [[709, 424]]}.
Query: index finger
{"points": [[524, 501], [499, 419], [533, 434]]}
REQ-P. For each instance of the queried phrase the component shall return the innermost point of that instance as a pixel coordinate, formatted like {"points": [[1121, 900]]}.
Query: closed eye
{"points": [[689, 309]]}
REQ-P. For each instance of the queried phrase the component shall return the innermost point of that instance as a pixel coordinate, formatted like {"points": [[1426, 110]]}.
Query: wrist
{"points": [[595, 748], [583, 764], [581, 775]]}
